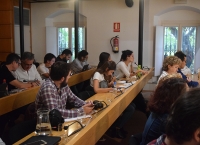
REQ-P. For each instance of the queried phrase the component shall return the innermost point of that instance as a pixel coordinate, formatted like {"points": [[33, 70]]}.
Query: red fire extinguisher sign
{"points": [[116, 27]]}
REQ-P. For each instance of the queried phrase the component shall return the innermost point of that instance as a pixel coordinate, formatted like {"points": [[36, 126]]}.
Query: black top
{"points": [[7, 75], [59, 59]]}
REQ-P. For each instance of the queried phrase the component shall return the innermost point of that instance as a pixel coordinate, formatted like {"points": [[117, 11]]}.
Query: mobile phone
{"points": [[38, 142]]}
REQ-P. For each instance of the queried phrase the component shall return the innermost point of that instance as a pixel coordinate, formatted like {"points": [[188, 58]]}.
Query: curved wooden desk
{"points": [[17, 100], [104, 119]]}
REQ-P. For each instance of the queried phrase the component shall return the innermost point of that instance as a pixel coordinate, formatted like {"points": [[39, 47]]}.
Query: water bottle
{"points": [[6, 91]]}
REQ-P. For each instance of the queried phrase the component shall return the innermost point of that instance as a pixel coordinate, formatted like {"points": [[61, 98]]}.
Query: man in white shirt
{"points": [[43, 69], [27, 72]]}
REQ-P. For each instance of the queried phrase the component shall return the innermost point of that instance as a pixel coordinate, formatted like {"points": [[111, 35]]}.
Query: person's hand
{"points": [[189, 79], [87, 108]]}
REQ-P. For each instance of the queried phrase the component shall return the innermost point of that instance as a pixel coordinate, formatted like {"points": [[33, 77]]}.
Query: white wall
{"points": [[101, 14]]}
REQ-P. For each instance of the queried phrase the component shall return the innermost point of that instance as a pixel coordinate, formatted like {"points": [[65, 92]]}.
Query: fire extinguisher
{"points": [[115, 46]]}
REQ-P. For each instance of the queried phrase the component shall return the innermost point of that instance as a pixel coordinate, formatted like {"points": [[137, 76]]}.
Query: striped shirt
{"points": [[49, 97]]}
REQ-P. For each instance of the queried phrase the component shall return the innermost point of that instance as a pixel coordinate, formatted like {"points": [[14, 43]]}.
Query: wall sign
{"points": [[116, 27]]}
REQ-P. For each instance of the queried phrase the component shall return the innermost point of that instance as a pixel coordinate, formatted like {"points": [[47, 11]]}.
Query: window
{"points": [[186, 44], [66, 39]]}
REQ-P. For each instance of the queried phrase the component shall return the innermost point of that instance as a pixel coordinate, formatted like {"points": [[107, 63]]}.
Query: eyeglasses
{"points": [[19, 63]]}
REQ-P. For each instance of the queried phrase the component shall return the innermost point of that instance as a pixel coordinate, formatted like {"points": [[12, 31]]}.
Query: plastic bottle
{"points": [[4, 82]]}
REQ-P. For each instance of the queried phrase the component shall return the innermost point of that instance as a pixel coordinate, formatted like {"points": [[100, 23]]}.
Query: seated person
{"points": [[27, 71], [103, 57], [101, 85], [65, 56], [79, 62], [55, 93], [183, 122], [12, 63], [124, 69], [44, 68], [183, 58], [166, 93], [170, 66]]}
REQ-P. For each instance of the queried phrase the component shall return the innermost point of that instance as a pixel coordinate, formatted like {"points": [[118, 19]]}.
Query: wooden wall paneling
{"points": [[6, 17], [6, 31], [6, 45], [6, 5], [3, 56]]}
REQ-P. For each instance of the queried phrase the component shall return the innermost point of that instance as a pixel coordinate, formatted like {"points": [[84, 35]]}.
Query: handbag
{"points": [[55, 118]]}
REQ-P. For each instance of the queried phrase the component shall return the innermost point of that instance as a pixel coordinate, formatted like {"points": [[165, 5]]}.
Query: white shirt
{"points": [[97, 76], [122, 70], [186, 71], [42, 69], [164, 73], [30, 75]]}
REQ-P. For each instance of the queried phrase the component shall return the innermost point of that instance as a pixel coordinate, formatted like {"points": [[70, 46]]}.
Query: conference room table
{"points": [[102, 120], [22, 98]]}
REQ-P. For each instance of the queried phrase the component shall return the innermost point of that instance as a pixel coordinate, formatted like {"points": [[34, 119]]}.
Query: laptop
{"points": [[85, 67]]}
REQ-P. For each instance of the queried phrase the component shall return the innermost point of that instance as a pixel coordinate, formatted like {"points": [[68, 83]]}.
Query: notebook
{"points": [[42, 140]]}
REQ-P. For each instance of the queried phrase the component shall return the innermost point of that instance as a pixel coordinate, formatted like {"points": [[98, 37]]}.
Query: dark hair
{"points": [[12, 57], [103, 57], [59, 69], [125, 54], [165, 94], [184, 118], [82, 53], [67, 52], [48, 57], [110, 65], [27, 55], [180, 55]]}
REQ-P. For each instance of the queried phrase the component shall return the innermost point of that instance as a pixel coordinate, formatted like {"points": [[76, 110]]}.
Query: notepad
{"points": [[75, 118], [37, 140]]}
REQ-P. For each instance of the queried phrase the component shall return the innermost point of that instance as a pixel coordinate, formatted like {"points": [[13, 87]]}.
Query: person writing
{"points": [[55, 93], [12, 63], [102, 85], [27, 71]]}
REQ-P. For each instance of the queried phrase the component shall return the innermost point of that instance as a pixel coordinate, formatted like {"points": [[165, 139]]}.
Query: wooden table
{"points": [[17, 100], [104, 119]]}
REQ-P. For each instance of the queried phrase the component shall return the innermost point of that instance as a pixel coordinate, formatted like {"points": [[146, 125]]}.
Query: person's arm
{"points": [[97, 89], [21, 85]]}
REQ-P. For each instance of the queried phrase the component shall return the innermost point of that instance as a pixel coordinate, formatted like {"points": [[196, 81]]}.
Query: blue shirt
{"points": [[191, 83], [154, 127]]}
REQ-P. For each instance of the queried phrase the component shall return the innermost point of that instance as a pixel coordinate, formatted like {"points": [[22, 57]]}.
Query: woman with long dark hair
{"points": [[103, 57], [124, 69]]}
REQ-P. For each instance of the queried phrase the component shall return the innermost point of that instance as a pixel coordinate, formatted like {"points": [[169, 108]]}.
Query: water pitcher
{"points": [[43, 126]]}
